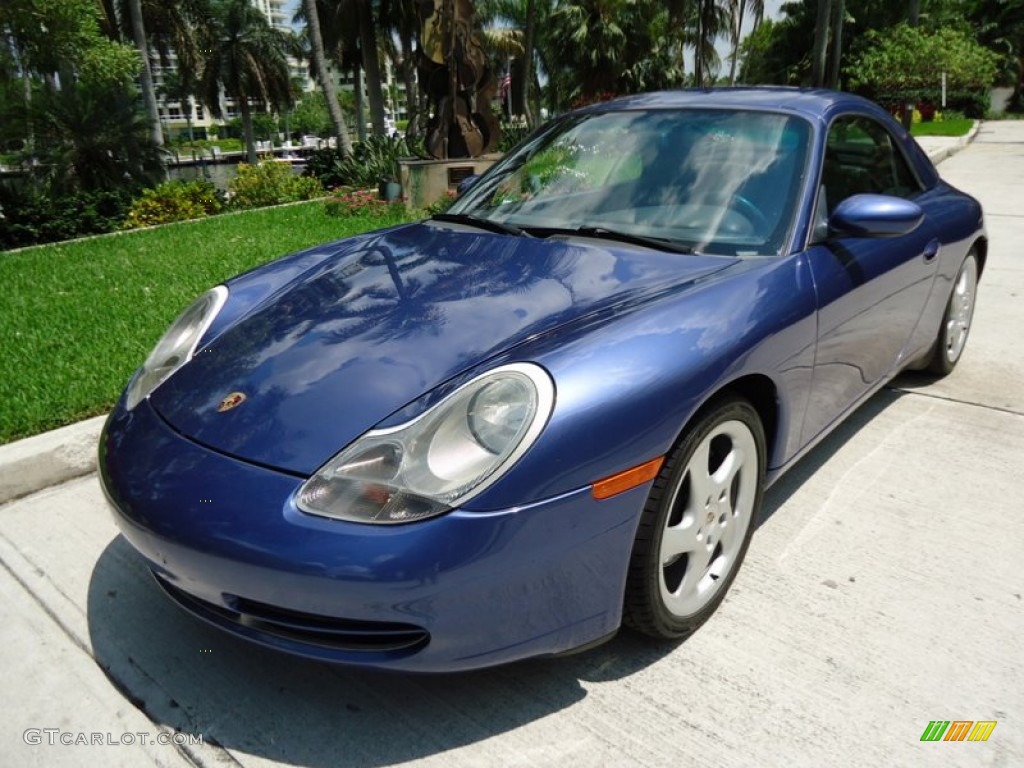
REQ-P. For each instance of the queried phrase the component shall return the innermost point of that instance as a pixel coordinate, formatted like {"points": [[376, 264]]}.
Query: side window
{"points": [[862, 157]]}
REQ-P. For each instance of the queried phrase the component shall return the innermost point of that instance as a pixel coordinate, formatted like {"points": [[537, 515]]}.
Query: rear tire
{"points": [[696, 526], [956, 322]]}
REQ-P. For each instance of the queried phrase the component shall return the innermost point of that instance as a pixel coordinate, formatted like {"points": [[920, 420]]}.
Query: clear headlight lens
{"points": [[176, 346], [440, 459]]}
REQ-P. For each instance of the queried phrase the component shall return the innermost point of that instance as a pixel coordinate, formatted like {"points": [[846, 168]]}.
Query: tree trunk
{"points": [[698, 54], [820, 50], [677, 22], [839, 12], [341, 135], [357, 89], [371, 66], [411, 97], [528, 45], [738, 30], [913, 19], [148, 91], [247, 129]]}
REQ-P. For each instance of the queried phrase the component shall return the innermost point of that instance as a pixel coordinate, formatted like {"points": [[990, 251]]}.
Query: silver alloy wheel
{"points": [[711, 510], [961, 310]]}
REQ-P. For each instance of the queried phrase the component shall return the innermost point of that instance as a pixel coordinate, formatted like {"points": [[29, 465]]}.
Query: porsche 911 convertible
{"points": [[509, 429]]}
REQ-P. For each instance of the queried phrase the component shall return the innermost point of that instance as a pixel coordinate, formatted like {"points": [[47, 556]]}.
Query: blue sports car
{"points": [[508, 429]]}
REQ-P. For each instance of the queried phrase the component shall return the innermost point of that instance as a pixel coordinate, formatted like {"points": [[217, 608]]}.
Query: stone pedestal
{"points": [[425, 182]]}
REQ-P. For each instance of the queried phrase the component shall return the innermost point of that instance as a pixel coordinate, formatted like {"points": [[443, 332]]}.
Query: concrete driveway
{"points": [[883, 590]]}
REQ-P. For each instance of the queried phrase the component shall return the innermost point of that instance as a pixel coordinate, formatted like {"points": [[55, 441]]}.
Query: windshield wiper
{"points": [[602, 233], [480, 223]]}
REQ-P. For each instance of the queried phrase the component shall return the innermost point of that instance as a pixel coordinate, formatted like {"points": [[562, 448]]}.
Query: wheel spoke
{"points": [[702, 485], [678, 540]]}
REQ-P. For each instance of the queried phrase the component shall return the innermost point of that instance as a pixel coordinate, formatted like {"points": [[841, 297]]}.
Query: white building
{"points": [[279, 12]]}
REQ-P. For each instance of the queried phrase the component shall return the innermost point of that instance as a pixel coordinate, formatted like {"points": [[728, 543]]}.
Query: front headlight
{"points": [[176, 346], [440, 459]]}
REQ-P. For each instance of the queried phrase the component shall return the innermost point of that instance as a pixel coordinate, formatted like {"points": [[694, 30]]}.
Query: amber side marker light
{"points": [[631, 478]]}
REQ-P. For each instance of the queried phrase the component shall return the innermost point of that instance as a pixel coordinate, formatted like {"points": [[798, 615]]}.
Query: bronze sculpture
{"points": [[454, 73]]}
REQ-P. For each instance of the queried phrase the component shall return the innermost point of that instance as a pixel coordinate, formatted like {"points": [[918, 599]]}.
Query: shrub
{"points": [[371, 162], [173, 201], [512, 132], [442, 205], [359, 202], [905, 64], [29, 218], [270, 183]]}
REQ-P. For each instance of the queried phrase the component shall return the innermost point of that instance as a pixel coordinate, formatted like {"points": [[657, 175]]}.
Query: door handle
{"points": [[931, 250]]}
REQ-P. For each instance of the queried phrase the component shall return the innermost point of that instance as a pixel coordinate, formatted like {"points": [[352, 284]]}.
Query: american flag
{"points": [[506, 84]]}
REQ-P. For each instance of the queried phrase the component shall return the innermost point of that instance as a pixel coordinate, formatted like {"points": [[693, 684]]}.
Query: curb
{"points": [[938, 155], [37, 462]]}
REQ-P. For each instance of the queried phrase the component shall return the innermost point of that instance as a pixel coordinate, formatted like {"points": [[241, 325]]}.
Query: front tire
{"points": [[696, 526], [956, 322]]}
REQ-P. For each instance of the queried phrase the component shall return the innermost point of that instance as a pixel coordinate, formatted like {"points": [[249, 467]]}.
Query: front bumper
{"points": [[460, 591]]}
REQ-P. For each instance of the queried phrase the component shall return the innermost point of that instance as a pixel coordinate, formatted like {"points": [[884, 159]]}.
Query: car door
{"points": [[871, 290]]}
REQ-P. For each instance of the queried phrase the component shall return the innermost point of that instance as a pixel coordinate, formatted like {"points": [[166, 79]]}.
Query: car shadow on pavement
{"points": [[806, 467], [196, 679]]}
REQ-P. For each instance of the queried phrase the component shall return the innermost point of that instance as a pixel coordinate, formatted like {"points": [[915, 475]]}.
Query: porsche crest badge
{"points": [[233, 400]]}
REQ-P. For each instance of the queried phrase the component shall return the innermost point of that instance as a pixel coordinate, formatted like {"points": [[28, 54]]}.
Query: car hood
{"points": [[389, 317]]}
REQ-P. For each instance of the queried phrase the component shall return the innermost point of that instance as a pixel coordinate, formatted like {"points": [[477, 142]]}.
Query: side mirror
{"points": [[874, 216], [467, 182]]}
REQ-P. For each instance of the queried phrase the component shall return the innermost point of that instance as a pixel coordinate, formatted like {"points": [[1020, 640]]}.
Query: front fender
{"points": [[626, 386]]}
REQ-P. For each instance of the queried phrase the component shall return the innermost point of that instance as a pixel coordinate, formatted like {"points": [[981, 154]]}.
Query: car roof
{"points": [[814, 103]]}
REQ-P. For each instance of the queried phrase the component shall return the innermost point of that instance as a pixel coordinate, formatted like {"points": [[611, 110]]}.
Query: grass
{"points": [[78, 317], [942, 128]]}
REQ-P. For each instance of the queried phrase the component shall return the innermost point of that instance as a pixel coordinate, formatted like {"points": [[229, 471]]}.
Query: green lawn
{"points": [[77, 318], [942, 128]]}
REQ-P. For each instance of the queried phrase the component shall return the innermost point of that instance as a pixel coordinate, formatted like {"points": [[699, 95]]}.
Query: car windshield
{"points": [[715, 181]]}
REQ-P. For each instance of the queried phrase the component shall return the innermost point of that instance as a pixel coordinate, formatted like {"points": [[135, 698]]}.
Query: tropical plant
{"points": [[372, 161], [611, 47], [93, 137], [1000, 27], [248, 62], [172, 32], [710, 22]]}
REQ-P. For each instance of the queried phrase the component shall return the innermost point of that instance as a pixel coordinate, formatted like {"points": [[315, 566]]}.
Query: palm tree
{"points": [[94, 137], [529, 18], [316, 42], [371, 63], [738, 9], [148, 89], [248, 62], [712, 19], [350, 38], [398, 18], [593, 46]]}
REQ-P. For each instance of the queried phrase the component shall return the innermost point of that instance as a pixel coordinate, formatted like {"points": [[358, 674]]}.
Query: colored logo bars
{"points": [[958, 730]]}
